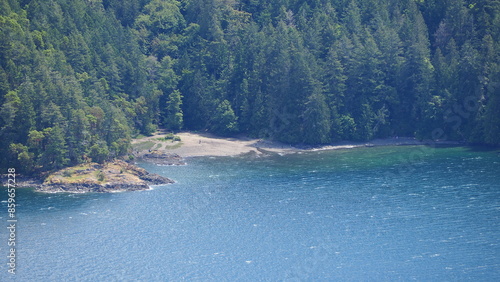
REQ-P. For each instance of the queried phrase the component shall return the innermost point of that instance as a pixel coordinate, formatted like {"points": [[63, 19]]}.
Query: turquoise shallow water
{"points": [[369, 214]]}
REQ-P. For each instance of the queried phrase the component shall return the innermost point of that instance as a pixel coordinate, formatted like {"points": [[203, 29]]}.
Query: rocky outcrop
{"points": [[115, 176], [155, 179], [161, 158], [26, 182], [90, 187]]}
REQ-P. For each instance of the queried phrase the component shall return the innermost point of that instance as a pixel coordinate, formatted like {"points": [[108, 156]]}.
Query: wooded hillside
{"points": [[80, 78]]}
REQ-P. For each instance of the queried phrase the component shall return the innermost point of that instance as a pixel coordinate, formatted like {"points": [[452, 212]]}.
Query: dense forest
{"points": [[80, 78]]}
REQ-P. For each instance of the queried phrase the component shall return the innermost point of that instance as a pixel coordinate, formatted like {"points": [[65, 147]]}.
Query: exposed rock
{"points": [[162, 158], [22, 182], [86, 188], [155, 179], [115, 176]]}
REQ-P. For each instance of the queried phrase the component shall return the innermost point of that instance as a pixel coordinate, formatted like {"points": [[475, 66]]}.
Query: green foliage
{"points": [[22, 157], [161, 16], [174, 116], [55, 150], [170, 137], [224, 121], [67, 173], [9, 114], [347, 128], [100, 176], [99, 152], [79, 78], [69, 74], [316, 120]]}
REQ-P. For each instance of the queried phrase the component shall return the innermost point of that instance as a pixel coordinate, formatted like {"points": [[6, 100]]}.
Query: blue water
{"points": [[369, 214]]}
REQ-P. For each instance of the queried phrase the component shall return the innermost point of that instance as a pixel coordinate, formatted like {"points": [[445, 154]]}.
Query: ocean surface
{"points": [[367, 214]]}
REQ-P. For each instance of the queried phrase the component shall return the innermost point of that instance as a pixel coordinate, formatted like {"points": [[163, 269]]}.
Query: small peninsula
{"points": [[113, 176]]}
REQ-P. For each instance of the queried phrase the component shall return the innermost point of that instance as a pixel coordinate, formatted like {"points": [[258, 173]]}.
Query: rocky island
{"points": [[113, 176]]}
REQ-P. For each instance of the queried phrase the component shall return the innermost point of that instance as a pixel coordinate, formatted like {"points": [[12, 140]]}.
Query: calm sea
{"points": [[369, 214]]}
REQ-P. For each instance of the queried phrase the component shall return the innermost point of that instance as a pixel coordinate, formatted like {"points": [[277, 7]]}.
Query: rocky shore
{"points": [[115, 176], [163, 158]]}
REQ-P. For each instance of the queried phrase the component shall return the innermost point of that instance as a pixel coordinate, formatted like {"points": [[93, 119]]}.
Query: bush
{"points": [[99, 152], [100, 176], [149, 129]]}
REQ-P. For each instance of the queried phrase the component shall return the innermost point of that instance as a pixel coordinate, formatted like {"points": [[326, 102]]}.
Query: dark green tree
{"points": [[174, 116], [224, 121], [54, 154]]}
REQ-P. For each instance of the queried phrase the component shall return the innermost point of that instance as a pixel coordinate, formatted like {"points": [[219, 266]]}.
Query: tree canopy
{"points": [[79, 79]]}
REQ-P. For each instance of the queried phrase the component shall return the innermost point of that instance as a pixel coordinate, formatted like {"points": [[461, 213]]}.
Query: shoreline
{"points": [[110, 177], [192, 144], [162, 152]]}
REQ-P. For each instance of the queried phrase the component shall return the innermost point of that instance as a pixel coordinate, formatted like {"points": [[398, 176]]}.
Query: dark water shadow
{"points": [[483, 148]]}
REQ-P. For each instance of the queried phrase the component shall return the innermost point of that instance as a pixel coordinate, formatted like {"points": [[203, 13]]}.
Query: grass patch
{"points": [[111, 172], [175, 146], [69, 175], [146, 145], [169, 137]]}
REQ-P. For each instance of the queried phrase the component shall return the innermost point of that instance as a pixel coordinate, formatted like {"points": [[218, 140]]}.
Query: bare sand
{"points": [[205, 144]]}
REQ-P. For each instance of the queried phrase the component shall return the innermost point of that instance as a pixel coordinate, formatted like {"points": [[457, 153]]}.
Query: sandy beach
{"points": [[194, 144], [206, 144]]}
